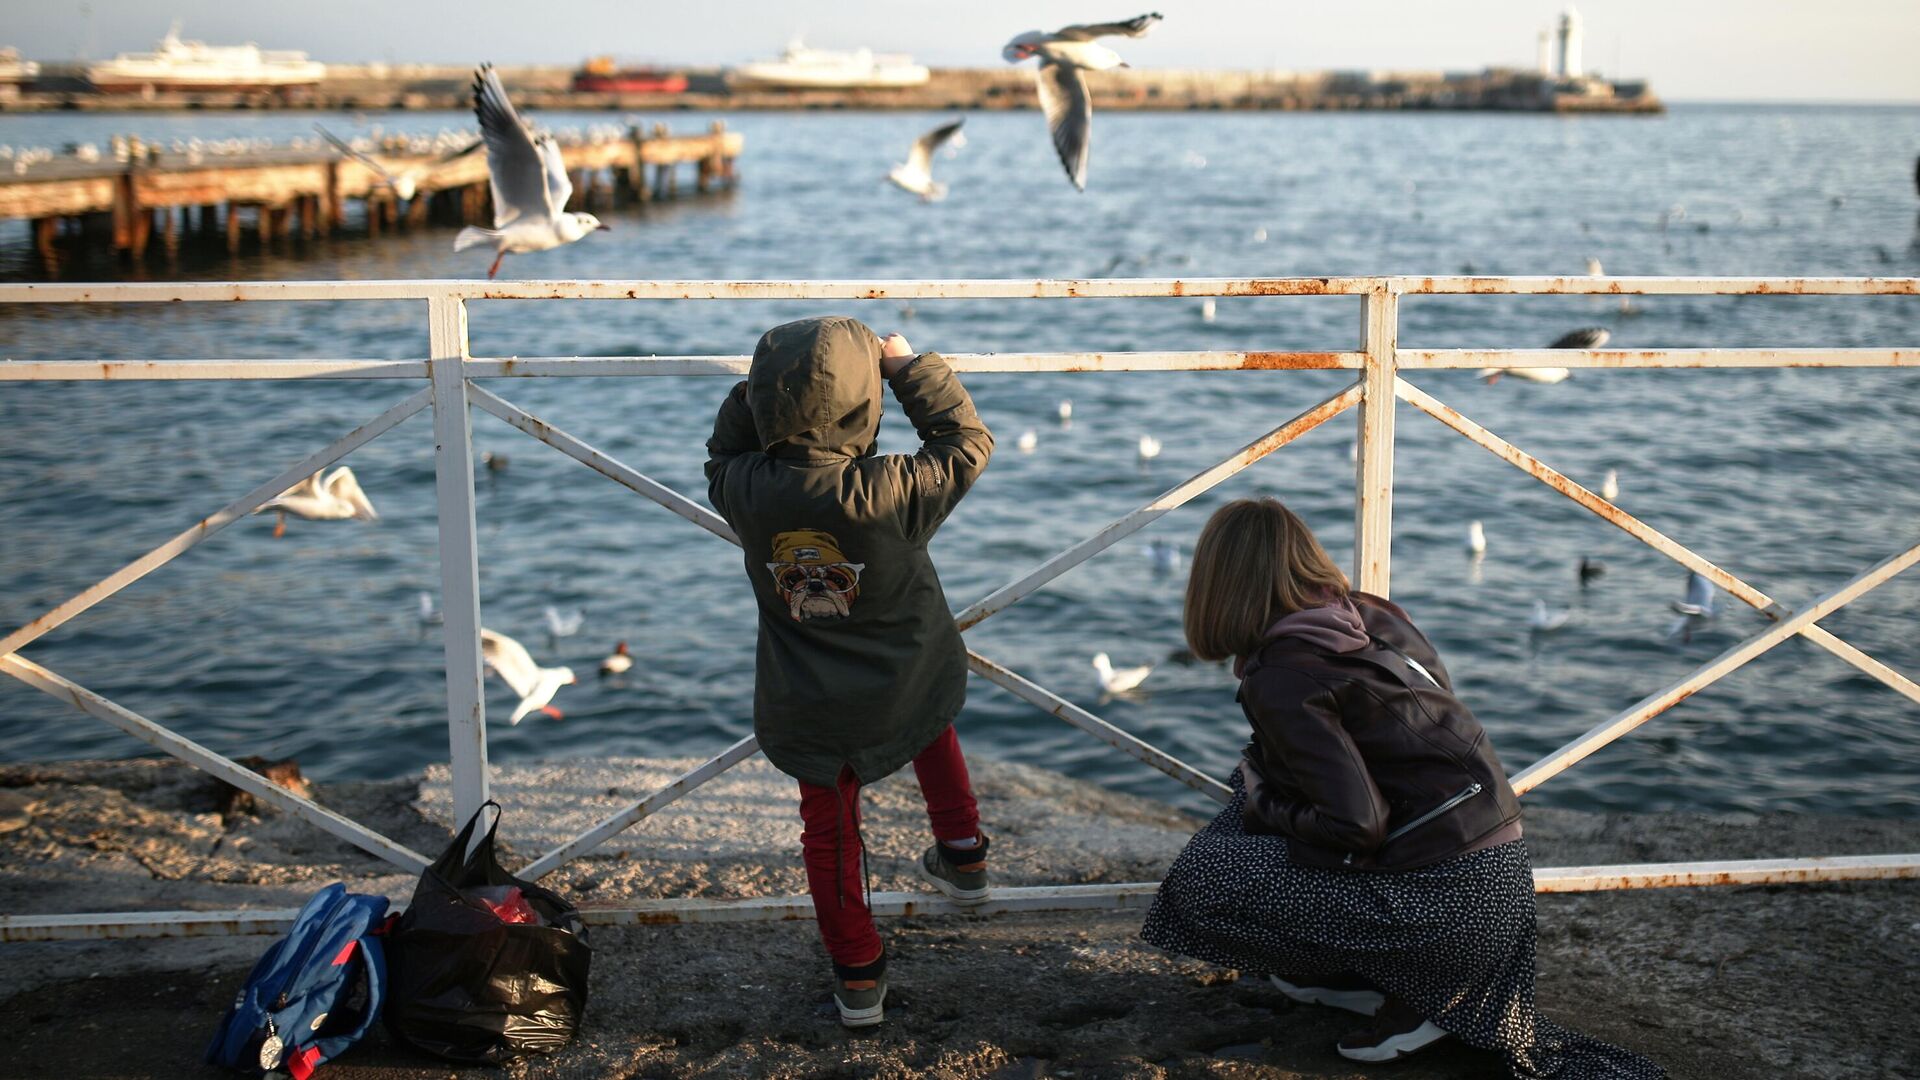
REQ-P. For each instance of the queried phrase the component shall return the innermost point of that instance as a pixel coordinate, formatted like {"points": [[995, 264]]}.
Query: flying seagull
{"points": [[406, 182], [563, 624], [1697, 607], [337, 497], [535, 685], [529, 178], [916, 174], [1587, 337], [1064, 55]]}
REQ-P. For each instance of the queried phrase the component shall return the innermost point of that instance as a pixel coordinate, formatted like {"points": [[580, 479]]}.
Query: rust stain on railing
{"points": [[449, 294], [1294, 361]]}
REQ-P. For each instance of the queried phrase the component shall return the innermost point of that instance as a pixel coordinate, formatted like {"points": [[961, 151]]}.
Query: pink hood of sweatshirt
{"points": [[1335, 626]]}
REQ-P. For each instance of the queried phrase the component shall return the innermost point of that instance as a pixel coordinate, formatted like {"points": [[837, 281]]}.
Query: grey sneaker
{"points": [[940, 866], [861, 1008]]}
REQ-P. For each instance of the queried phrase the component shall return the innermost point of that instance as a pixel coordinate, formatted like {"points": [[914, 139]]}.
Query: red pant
{"points": [[830, 841]]}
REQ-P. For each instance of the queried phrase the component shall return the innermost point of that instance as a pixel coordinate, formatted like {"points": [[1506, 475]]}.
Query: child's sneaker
{"points": [[960, 873], [861, 1008]]}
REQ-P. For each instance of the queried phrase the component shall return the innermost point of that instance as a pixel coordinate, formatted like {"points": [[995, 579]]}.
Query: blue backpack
{"points": [[313, 994]]}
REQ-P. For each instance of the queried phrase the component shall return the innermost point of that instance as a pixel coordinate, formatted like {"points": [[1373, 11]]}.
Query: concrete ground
{"points": [[1792, 981]]}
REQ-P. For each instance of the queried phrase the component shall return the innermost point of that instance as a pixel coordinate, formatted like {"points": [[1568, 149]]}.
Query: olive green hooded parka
{"points": [[859, 664]]}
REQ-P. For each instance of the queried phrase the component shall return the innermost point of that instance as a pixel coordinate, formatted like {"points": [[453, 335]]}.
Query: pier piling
{"points": [[302, 195]]}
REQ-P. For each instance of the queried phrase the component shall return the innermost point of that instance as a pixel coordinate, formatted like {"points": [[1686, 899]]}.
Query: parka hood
{"points": [[814, 388]]}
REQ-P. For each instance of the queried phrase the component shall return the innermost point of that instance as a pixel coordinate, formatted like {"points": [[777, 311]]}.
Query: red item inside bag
{"points": [[507, 904]]}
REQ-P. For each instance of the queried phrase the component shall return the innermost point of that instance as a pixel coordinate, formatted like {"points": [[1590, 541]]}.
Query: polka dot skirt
{"points": [[1454, 941]]}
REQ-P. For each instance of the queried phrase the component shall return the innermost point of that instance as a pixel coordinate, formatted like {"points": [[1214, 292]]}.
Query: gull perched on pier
{"points": [[338, 497], [405, 184], [1064, 55], [536, 685], [916, 173], [529, 178], [1587, 337]]}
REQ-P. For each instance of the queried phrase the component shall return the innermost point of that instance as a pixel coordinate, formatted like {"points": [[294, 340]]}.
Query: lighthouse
{"points": [[1570, 40]]}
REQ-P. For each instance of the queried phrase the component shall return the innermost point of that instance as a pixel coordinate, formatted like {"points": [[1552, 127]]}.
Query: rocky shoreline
{"points": [[1800, 981]]}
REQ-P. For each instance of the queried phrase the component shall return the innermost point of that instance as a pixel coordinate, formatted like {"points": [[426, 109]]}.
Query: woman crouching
{"points": [[1371, 859]]}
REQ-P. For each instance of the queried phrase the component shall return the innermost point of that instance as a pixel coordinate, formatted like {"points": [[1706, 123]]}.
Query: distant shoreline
{"points": [[63, 87]]}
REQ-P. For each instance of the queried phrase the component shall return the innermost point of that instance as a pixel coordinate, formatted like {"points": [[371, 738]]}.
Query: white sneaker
{"points": [[1354, 1000]]}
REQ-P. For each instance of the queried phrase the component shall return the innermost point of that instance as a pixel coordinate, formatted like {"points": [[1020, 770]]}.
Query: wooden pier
{"points": [[283, 194]]}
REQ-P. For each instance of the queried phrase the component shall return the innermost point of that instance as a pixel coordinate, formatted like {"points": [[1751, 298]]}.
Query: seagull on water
{"points": [[1588, 337], [405, 184], [1121, 680], [916, 173], [1027, 441], [1589, 569], [1610, 485], [1476, 538], [336, 498], [1149, 448], [563, 624], [529, 179], [1208, 310], [1165, 555], [1064, 55], [1064, 411], [429, 615], [536, 685], [618, 662], [1546, 621]]}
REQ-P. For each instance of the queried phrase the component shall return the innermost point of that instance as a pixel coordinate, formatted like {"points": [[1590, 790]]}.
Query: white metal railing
{"points": [[1378, 361]]}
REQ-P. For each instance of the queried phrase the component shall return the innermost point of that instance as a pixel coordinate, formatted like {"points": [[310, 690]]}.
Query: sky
{"points": [[1692, 50]]}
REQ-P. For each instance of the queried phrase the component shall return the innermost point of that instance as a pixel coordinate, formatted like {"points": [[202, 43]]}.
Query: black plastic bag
{"points": [[465, 985]]}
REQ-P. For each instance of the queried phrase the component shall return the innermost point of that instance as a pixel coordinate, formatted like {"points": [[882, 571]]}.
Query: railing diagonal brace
{"points": [[1650, 536], [1172, 499], [208, 761], [1726, 663], [641, 808], [1033, 693], [213, 523], [606, 466]]}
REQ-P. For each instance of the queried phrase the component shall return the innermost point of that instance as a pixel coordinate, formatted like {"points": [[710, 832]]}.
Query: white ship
{"points": [[802, 68], [196, 66], [14, 70]]}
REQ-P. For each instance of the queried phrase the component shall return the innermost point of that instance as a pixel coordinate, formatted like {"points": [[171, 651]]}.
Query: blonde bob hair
{"points": [[1254, 563]]}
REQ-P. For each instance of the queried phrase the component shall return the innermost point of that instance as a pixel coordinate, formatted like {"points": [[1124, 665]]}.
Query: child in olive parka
{"points": [[859, 667]]}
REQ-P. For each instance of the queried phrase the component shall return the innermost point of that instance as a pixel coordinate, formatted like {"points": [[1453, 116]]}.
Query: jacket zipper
{"points": [[306, 953], [1470, 792], [1409, 660]]}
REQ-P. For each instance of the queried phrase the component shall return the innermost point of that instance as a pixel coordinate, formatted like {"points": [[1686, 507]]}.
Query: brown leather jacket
{"points": [[1363, 762]]}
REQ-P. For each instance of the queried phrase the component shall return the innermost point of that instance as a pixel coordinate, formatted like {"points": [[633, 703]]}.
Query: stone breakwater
{"points": [[1803, 981]]}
